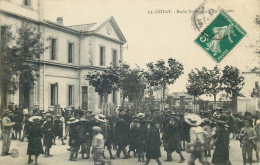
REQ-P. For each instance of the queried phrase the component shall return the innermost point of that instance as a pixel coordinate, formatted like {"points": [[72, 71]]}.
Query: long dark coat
{"points": [[34, 133], [134, 133], [172, 138], [48, 134], [152, 144], [141, 136], [221, 152], [122, 133]]}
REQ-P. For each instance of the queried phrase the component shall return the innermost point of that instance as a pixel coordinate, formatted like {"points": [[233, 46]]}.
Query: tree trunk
{"points": [[194, 104], [3, 98], [234, 103], [164, 88]]}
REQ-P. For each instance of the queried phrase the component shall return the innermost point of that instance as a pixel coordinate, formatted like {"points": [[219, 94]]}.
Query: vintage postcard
{"points": [[129, 82]]}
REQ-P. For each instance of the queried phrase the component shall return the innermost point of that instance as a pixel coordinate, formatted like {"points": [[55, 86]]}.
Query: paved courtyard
{"points": [[61, 156]]}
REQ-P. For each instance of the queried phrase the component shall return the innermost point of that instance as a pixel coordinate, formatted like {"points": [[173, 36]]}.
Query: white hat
{"points": [[193, 119], [101, 118], [72, 122], [140, 115], [34, 119]]}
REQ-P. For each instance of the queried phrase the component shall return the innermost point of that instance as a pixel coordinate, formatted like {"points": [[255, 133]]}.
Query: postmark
{"points": [[221, 36], [14, 153]]}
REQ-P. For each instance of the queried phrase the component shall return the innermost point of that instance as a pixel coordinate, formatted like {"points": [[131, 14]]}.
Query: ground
{"points": [[61, 156]]}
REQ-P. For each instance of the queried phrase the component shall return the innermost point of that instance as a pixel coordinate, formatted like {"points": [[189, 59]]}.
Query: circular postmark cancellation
{"points": [[14, 153]]}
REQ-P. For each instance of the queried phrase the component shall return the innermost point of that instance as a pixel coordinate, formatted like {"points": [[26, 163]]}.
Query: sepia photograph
{"points": [[129, 82]]}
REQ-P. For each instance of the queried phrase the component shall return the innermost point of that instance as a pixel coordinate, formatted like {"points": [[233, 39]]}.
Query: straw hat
{"points": [[73, 122], [140, 115], [96, 129], [58, 115], [82, 119], [101, 118], [193, 119], [35, 119], [6, 111]]}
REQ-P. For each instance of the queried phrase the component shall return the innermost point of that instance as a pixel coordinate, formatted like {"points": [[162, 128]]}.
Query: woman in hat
{"points": [[221, 140], [34, 134], [197, 141], [141, 137], [152, 143], [122, 134]]}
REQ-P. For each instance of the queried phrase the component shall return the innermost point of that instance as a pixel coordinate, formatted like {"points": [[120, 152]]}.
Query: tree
{"points": [[212, 82], [19, 57], [232, 84], [195, 86], [162, 74]]}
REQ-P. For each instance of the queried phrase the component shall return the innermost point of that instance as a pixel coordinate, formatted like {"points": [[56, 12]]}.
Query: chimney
{"points": [[60, 20]]}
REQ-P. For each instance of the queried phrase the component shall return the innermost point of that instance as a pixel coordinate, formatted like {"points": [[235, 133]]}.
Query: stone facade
{"points": [[73, 52]]}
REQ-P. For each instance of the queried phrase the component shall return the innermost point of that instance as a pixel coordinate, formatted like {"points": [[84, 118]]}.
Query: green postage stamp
{"points": [[220, 37]]}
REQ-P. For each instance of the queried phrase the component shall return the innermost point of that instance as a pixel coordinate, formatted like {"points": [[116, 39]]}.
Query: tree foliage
{"points": [[232, 81], [20, 51], [195, 86], [163, 74]]}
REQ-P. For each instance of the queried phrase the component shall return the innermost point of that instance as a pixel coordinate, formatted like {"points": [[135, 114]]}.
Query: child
{"points": [[98, 146], [247, 135], [197, 140]]}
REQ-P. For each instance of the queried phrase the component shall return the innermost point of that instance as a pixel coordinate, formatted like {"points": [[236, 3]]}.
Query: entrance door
{"points": [[85, 97]]}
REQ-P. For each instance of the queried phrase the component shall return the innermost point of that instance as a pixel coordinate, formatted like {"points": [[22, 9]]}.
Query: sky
{"points": [[160, 29]]}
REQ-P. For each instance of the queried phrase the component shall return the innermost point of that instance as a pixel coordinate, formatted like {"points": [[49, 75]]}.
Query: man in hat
{"points": [[82, 135], [122, 134], [197, 141], [172, 139], [58, 129], [48, 135], [7, 125]]}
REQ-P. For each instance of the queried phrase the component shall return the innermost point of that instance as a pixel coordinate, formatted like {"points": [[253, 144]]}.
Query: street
{"points": [[61, 156]]}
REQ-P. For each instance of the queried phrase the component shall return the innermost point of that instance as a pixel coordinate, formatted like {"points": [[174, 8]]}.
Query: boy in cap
{"points": [[98, 146], [247, 136], [48, 135]]}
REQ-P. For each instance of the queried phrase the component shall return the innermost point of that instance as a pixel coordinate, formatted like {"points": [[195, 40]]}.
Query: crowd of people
{"points": [[134, 133]]}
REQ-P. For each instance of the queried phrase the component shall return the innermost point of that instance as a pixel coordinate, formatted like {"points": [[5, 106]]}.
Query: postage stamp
{"points": [[221, 36]]}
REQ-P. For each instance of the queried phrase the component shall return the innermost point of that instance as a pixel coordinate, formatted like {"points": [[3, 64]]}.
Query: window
{"points": [[27, 2], [102, 56], [70, 52], [53, 49], [53, 94], [114, 57], [3, 33], [70, 95]]}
